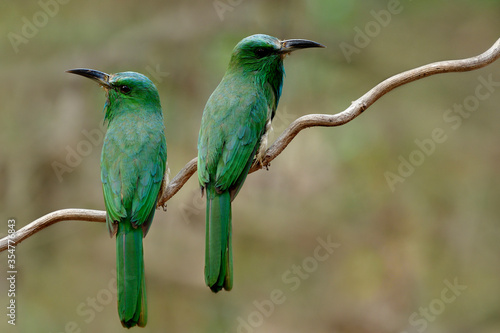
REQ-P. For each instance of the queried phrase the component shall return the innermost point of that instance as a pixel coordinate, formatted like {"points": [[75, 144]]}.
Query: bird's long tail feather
{"points": [[132, 304], [218, 252]]}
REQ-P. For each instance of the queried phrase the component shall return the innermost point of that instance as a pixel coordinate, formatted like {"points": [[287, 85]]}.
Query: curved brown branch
{"points": [[355, 109], [170, 189], [72, 214]]}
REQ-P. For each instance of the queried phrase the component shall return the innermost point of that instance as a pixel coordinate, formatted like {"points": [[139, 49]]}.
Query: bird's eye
{"points": [[124, 89], [261, 52]]}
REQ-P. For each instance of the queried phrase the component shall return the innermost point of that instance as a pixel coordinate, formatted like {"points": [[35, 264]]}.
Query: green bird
{"points": [[233, 133], [133, 162]]}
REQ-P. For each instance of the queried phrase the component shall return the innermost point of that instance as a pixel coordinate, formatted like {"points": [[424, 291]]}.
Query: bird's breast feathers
{"points": [[132, 168]]}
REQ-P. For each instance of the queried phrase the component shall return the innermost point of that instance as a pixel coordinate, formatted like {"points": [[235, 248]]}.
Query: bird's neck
{"points": [[273, 78], [117, 108], [268, 77]]}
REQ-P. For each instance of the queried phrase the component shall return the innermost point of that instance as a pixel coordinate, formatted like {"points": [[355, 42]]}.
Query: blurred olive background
{"points": [[399, 249]]}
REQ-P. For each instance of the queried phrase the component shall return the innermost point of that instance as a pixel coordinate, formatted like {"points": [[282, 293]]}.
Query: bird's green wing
{"points": [[132, 190], [239, 150], [112, 188], [149, 184], [229, 138]]}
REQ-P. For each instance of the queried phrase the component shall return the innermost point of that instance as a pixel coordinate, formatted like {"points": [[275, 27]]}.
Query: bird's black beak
{"points": [[290, 45], [100, 77]]}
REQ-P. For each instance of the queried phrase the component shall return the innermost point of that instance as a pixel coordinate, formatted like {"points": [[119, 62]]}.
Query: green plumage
{"points": [[232, 134], [218, 243], [133, 164], [132, 305]]}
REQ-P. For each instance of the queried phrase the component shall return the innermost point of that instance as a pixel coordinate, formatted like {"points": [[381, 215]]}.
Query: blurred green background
{"points": [[400, 248]]}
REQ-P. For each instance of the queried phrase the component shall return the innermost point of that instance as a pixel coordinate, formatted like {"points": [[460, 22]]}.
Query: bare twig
{"points": [[355, 109], [72, 214], [170, 189]]}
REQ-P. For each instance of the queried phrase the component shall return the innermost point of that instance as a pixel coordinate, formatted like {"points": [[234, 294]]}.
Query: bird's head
{"points": [[265, 53], [123, 89]]}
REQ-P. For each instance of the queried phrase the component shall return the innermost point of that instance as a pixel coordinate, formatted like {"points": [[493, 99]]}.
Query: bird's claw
{"points": [[259, 161]]}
